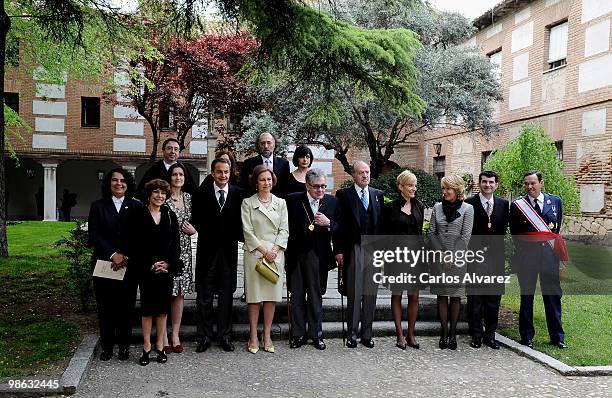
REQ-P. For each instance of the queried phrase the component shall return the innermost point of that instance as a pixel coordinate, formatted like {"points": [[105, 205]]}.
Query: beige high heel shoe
{"points": [[252, 348], [268, 348]]}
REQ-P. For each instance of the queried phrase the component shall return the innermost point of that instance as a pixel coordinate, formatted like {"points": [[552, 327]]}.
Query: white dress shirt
{"points": [[217, 189], [484, 202], [118, 202], [314, 203], [270, 159], [168, 165], [540, 200], [359, 189]]}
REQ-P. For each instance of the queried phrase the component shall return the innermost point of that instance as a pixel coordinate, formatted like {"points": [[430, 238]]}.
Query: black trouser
{"points": [[215, 279], [305, 281], [115, 301], [479, 307]]}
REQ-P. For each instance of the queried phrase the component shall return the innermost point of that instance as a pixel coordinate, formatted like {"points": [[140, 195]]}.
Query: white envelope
{"points": [[103, 270]]}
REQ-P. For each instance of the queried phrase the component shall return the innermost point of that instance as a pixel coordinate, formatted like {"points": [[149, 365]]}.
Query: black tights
{"points": [[455, 307]]}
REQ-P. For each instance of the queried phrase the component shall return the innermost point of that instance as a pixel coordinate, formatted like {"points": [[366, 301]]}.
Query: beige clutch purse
{"points": [[267, 270]]}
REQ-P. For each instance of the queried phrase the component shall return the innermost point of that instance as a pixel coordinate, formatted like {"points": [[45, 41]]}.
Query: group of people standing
{"points": [[288, 222]]}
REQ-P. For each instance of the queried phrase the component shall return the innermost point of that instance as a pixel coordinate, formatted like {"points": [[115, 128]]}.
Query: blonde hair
{"points": [[455, 183], [406, 177]]}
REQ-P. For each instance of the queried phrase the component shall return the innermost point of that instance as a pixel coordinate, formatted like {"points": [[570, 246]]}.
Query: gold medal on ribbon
{"points": [[311, 227], [489, 225]]}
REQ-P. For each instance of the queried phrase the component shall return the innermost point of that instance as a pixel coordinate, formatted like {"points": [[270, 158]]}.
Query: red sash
{"points": [[543, 232]]}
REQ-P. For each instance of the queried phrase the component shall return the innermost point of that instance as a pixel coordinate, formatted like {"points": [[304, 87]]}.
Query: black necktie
{"points": [[537, 207], [221, 197]]}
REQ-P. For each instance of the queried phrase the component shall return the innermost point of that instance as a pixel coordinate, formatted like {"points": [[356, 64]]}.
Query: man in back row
{"points": [[171, 151], [265, 146]]}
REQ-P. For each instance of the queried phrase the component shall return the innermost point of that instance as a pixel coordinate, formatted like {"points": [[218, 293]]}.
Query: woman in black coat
{"points": [[404, 216], [115, 299], [154, 249]]}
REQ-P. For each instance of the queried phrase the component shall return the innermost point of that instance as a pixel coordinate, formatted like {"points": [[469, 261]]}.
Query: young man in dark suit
{"points": [[216, 217], [491, 217], [313, 221], [360, 214], [537, 212], [171, 152], [265, 146]]}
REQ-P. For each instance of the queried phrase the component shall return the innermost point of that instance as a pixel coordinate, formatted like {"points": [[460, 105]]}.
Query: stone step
{"points": [[280, 331], [332, 310]]}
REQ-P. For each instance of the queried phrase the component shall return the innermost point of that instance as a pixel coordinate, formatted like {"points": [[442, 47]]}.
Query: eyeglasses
{"points": [[322, 186]]}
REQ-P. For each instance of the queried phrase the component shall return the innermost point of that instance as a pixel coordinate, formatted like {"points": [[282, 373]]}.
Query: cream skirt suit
{"points": [[267, 227]]}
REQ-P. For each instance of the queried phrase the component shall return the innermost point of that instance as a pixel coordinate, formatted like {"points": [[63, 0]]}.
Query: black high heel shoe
{"points": [[452, 342], [400, 345], [144, 359], [416, 345], [443, 343], [161, 356]]}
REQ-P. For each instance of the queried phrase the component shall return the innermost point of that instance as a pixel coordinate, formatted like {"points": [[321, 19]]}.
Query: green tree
{"points": [[533, 150], [456, 83], [55, 39]]}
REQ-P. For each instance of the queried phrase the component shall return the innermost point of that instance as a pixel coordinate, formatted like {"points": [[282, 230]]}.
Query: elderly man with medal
{"points": [[535, 221], [313, 225]]}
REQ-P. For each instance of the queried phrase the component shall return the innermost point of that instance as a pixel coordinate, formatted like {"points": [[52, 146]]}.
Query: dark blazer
{"points": [[552, 213], [302, 240], [281, 169], [144, 248], [218, 229], [391, 212], [158, 170], [492, 238], [499, 217], [104, 227], [350, 220]]}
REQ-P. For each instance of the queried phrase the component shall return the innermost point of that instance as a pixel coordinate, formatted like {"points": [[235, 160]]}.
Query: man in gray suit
{"points": [[360, 209]]}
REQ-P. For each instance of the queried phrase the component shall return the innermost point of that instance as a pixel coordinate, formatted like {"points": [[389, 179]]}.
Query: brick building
{"points": [[77, 136], [555, 70]]}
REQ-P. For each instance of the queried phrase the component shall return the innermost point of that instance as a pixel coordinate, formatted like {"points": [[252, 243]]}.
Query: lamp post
{"points": [[437, 148]]}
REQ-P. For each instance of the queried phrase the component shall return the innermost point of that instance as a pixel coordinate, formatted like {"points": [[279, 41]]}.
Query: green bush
{"points": [[428, 186], [77, 251], [533, 149]]}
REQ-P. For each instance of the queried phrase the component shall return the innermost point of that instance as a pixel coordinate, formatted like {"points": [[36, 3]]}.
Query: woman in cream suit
{"points": [[266, 230]]}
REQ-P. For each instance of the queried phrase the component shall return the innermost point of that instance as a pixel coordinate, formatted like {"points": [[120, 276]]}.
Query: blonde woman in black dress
{"points": [[404, 216]]}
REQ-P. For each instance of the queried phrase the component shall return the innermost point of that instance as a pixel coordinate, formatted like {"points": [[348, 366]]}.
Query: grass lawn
{"points": [[39, 321], [587, 319]]}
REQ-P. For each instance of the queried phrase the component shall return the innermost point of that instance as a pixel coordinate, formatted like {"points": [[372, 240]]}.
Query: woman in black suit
{"points": [[404, 216], [115, 299], [154, 249]]}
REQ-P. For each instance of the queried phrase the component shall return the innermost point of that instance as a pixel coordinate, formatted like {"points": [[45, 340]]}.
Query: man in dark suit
{"points": [[313, 221], [280, 166], [491, 216], [537, 212], [115, 298], [171, 152], [216, 217], [360, 214]]}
